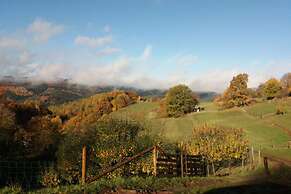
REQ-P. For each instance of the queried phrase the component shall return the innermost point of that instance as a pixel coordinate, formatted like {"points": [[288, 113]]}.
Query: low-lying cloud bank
{"points": [[122, 73]]}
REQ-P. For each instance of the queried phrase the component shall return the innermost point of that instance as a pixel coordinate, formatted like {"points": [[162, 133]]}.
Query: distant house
{"points": [[141, 99], [198, 108]]}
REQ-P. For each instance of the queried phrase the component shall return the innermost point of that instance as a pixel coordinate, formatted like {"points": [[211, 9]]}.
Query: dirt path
{"points": [[276, 159], [288, 131]]}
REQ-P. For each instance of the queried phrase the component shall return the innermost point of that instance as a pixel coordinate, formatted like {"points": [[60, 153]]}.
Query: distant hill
{"points": [[206, 96], [59, 92], [49, 93]]}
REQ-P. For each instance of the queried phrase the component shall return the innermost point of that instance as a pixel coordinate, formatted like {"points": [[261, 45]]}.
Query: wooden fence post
{"points": [[155, 160], [259, 157], [186, 165], [267, 171], [182, 163], [253, 156], [84, 162]]}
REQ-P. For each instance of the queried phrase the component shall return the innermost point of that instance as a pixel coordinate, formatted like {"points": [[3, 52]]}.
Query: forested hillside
{"points": [[78, 115]]}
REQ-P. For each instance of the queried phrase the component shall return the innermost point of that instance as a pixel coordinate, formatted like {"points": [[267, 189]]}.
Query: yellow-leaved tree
{"points": [[237, 94], [272, 88]]}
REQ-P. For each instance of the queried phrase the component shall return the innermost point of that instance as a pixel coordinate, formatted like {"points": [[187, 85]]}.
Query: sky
{"points": [[146, 43]]}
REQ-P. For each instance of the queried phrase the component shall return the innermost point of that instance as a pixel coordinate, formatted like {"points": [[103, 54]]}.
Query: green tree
{"points": [[237, 94], [179, 100], [272, 88]]}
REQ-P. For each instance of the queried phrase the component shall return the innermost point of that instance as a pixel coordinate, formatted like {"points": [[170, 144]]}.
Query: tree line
{"points": [[238, 93]]}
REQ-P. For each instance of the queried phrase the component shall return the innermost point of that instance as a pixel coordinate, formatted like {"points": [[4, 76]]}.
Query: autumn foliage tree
{"points": [[286, 84], [27, 130], [179, 100], [237, 94], [272, 88]]}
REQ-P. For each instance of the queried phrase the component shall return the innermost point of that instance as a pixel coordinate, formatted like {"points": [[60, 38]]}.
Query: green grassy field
{"points": [[264, 129]]}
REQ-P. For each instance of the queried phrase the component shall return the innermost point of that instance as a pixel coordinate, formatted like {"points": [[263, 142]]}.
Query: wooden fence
{"points": [[178, 165], [164, 164]]}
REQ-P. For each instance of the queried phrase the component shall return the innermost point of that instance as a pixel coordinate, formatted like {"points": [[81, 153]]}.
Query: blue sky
{"points": [[148, 44]]}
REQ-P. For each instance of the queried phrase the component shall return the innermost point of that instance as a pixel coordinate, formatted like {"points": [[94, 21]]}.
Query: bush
{"points": [[50, 178], [108, 141], [280, 110], [12, 189], [69, 156], [217, 143]]}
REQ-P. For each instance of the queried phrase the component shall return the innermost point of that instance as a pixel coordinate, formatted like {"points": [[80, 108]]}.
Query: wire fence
{"points": [[24, 173]]}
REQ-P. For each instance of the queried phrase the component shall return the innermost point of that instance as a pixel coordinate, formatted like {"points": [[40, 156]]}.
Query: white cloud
{"points": [[43, 30], [93, 41], [13, 56], [107, 28], [25, 57], [146, 53], [49, 72], [15, 63], [107, 51], [103, 74], [52, 71], [7, 42]]}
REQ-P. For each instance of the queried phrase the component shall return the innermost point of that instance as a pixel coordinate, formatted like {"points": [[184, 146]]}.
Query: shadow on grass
{"points": [[260, 188], [278, 182]]}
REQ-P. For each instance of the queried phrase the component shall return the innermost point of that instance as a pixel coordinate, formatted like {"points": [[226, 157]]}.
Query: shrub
{"points": [[218, 143], [280, 110], [69, 155], [108, 141], [50, 178], [12, 189], [118, 139]]}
